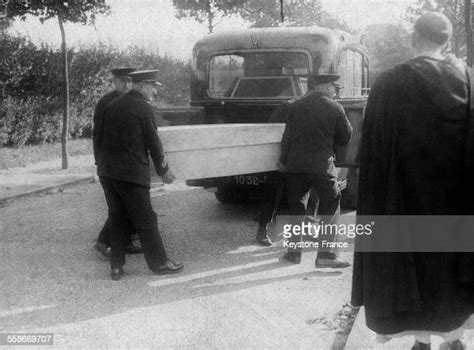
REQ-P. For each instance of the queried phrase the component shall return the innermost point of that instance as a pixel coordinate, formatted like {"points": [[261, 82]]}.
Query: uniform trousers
{"points": [[271, 197], [104, 234], [129, 201], [329, 196], [273, 192]]}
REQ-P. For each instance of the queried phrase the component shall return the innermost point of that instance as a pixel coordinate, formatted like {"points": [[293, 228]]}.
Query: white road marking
{"points": [[176, 280], [25, 309]]}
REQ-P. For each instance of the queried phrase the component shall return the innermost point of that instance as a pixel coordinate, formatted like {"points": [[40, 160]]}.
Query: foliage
{"points": [[454, 10], [388, 45], [210, 11], [12, 65], [76, 11], [79, 11], [296, 13], [260, 13], [29, 120], [30, 112]]}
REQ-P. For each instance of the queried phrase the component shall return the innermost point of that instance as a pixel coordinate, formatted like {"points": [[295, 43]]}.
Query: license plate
{"points": [[249, 180]]}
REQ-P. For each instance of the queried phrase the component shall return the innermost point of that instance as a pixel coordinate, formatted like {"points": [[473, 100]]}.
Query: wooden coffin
{"points": [[213, 150]]}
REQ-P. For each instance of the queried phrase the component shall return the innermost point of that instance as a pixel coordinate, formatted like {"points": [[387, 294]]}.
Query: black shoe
{"points": [[326, 255], [103, 249], [262, 236], [331, 263], [264, 240], [133, 249], [292, 257], [116, 273], [168, 267]]}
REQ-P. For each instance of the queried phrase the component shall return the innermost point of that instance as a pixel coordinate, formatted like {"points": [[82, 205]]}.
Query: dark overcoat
{"points": [[314, 126], [126, 139], [99, 116], [416, 158]]}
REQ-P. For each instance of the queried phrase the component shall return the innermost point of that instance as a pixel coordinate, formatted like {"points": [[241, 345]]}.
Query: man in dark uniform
{"points": [[123, 143], [275, 188], [122, 84], [315, 125]]}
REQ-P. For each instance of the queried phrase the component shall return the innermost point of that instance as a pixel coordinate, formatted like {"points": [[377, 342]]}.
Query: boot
{"points": [[262, 236], [116, 273], [292, 257]]}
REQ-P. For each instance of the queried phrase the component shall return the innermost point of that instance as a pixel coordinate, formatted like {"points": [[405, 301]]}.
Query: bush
{"points": [[31, 109], [29, 121]]}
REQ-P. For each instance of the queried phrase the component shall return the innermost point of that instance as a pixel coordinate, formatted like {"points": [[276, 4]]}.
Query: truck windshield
{"points": [[258, 75]]}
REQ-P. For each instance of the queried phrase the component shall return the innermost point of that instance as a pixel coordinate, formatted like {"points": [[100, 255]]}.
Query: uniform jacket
{"points": [[125, 140], [315, 125], [99, 114]]}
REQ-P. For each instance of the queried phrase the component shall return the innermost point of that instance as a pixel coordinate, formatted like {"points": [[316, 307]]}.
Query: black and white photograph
{"points": [[237, 174]]}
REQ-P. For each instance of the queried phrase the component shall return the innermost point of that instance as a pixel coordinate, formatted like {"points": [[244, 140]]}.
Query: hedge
{"points": [[31, 102]]}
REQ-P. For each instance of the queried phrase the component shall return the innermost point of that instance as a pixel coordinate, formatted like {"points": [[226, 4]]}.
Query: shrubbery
{"points": [[31, 108], [29, 120]]}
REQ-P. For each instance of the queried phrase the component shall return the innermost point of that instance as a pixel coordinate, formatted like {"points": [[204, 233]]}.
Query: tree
{"points": [[468, 10], [388, 45], [454, 10], [79, 11], [261, 13], [210, 11], [295, 13]]}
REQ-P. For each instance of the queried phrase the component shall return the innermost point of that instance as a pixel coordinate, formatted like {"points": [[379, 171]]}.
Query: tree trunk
{"points": [[468, 9], [65, 129], [282, 14], [210, 16]]}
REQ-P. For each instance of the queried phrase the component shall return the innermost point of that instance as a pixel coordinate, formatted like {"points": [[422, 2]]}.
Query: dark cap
{"points": [[434, 27], [122, 72], [325, 78], [145, 76]]}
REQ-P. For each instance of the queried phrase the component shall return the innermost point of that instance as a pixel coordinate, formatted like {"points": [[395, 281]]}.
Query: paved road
{"points": [[232, 293]]}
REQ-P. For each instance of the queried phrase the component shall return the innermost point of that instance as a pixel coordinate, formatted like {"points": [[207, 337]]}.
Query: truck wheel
{"points": [[231, 195]]}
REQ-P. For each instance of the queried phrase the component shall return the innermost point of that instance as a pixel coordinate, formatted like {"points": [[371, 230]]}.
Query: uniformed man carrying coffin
{"points": [[122, 84], [124, 142], [315, 125]]}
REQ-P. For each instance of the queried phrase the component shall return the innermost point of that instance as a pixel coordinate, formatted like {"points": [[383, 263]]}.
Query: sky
{"points": [[151, 23]]}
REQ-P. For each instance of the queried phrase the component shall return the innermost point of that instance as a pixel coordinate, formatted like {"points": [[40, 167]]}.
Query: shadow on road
{"points": [[50, 274]]}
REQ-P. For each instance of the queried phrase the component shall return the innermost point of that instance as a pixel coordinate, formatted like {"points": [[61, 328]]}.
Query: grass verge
{"points": [[23, 156]]}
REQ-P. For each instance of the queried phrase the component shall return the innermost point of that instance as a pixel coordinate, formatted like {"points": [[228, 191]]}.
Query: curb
{"points": [[46, 189]]}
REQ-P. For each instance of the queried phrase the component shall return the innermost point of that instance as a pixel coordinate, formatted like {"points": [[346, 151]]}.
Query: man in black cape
{"points": [[416, 158]]}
